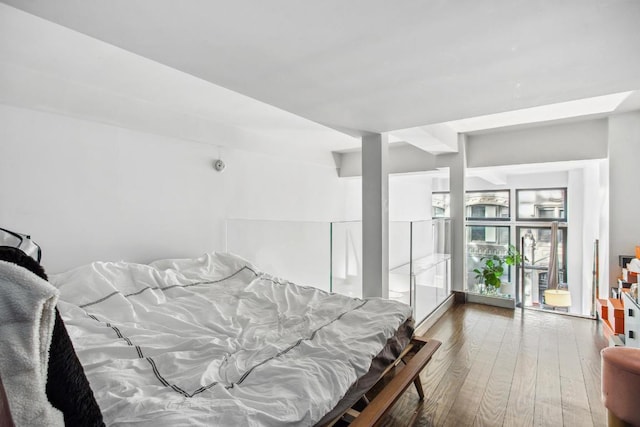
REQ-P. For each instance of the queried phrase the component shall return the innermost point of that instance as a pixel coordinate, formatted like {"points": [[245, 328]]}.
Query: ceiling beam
{"points": [[435, 139]]}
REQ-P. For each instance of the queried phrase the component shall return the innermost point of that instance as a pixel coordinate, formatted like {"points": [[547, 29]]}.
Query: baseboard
{"points": [[460, 297]]}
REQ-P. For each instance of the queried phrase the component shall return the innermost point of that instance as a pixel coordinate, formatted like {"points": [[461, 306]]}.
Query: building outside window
{"points": [[545, 204], [487, 205], [440, 202]]}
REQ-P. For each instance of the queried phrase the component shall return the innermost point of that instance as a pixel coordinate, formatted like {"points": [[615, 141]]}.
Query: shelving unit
{"points": [[631, 320]]}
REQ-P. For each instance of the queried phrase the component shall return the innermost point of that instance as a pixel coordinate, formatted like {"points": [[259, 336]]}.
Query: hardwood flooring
{"points": [[500, 367]]}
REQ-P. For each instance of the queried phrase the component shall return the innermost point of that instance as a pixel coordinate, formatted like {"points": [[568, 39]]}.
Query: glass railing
{"points": [[329, 256], [345, 273], [425, 280]]}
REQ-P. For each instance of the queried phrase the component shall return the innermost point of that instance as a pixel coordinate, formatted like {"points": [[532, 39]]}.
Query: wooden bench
{"points": [[414, 357]]}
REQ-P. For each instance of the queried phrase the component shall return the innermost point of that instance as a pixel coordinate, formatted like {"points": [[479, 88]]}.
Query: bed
{"points": [[215, 341]]}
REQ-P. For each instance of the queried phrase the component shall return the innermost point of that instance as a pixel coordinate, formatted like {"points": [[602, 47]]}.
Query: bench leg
{"points": [[418, 384]]}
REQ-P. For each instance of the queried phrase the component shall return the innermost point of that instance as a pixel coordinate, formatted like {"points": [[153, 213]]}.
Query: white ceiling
{"points": [[57, 70], [375, 65]]}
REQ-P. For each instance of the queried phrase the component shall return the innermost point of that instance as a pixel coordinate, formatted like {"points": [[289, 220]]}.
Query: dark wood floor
{"points": [[499, 367]]}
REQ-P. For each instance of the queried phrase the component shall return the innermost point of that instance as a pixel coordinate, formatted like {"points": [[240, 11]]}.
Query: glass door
{"points": [[537, 253]]}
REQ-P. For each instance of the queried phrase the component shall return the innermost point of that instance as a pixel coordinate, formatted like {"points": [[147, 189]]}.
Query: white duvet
{"points": [[214, 341]]}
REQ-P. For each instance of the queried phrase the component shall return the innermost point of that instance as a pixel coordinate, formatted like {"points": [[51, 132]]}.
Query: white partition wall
{"points": [[296, 251]]}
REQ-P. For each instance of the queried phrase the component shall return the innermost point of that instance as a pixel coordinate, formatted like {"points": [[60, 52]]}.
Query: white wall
{"points": [[603, 243], [267, 187], [578, 233], [299, 251], [624, 202], [409, 197], [87, 191], [409, 200], [594, 199], [279, 213], [521, 180], [583, 140], [121, 149]]}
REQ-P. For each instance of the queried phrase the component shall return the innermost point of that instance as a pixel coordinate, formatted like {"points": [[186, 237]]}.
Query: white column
{"points": [[457, 164], [375, 216]]}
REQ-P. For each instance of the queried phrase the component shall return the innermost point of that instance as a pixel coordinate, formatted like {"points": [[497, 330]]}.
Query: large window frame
{"points": [[478, 242]]}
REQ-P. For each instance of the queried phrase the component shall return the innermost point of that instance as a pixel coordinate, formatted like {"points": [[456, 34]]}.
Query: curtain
{"points": [[552, 276]]}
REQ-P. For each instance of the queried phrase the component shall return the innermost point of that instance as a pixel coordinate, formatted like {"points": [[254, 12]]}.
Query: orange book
{"points": [[637, 251]]}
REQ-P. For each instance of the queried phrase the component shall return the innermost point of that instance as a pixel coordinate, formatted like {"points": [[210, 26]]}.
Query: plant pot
{"points": [[491, 296], [508, 289]]}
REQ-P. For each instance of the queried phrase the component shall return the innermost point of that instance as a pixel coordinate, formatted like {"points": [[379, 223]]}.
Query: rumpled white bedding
{"points": [[214, 341]]}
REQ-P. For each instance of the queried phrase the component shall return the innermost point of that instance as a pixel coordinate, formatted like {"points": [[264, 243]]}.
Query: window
{"points": [[478, 234], [440, 205], [487, 205], [485, 240], [542, 204], [488, 234], [478, 211], [491, 228]]}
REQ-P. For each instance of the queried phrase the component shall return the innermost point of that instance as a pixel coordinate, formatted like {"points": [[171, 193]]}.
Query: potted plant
{"points": [[493, 268]]}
